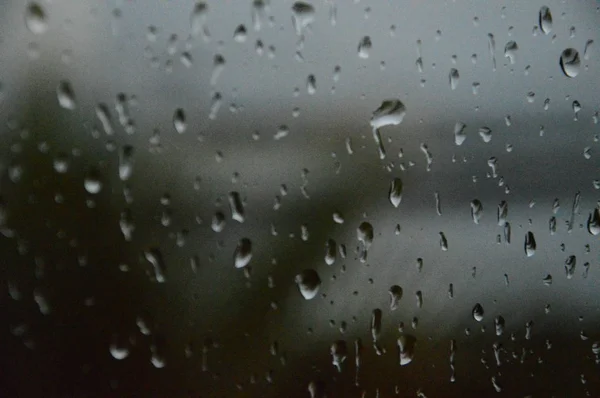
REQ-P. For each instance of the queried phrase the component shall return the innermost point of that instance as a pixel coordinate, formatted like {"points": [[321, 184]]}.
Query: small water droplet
{"points": [[243, 253], [510, 51], [570, 264], [395, 192], [406, 346], [391, 112], [478, 312], [587, 51], [155, 258], [395, 296], [443, 242], [308, 282], [453, 78], [65, 95], [485, 133], [303, 15], [530, 245], [240, 34], [91, 182]]}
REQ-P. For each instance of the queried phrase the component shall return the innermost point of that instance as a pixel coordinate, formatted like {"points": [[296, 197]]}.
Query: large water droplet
{"points": [[243, 253], [545, 20], [454, 78], [308, 282], [593, 223], [91, 182], [486, 134], [303, 16], [395, 192], [36, 19], [530, 245], [570, 62], [478, 312], [395, 296], [364, 234], [406, 348], [390, 113], [364, 47]]}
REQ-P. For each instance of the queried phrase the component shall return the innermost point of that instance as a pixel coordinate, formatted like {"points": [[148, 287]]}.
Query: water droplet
{"points": [[339, 353], [530, 245], [179, 121], [454, 78], [593, 223], [236, 206], [476, 211], [282, 132], [36, 19], [364, 47], [502, 213], [118, 350], [478, 312], [215, 105], [406, 347], [243, 253], [65, 95], [330, 251], [308, 282], [395, 192], [570, 263], [303, 15], [218, 66], [240, 34], [103, 116], [587, 51], [545, 20], [258, 13], [499, 322], [570, 62], [364, 234], [485, 133], [376, 316], [492, 50], [155, 258], [443, 242], [126, 162], [91, 182], [311, 84], [459, 134], [510, 51], [198, 19], [390, 113], [61, 163], [395, 296], [576, 108]]}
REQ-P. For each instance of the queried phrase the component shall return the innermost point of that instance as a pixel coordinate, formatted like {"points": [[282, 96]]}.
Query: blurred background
{"points": [[170, 168]]}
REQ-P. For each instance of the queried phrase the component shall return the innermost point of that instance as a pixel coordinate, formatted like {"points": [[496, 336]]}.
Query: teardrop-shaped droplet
{"points": [[179, 121], [65, 95], [364, 47], [91, 182], [459, 134], [478, 312], [570, 62], [486, 134], [308, 282], [240, 34], [570, 264], [311, 84], [126, 162], [36, 19], [593, 223], [406, 348], [364, 234], [502, 213], [339, 353], [330, 251], [545, 20], [303, 15], [155, 258], [443, 242], [454, 78], [236, 207], [530, 245], [243, 253], [395, 192]]}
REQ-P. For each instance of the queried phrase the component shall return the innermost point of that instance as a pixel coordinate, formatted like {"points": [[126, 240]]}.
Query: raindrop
{"points": [[395, 192], [459, 134], [65, 95], [303, 16], [364, 234], [339, 353], [198, 19], [443, 242], [570, 62], [104, 117], [179, 121], [486, 134], [126, 162], [218, 66], [236, 206], [476, 211], [308, 282], [91, 182], [547, 280], [218, 222], [545, 20], [364, 47], [478, 312], [330, 251], [499, 323], [311, 84], [240, 34], [589, 46], [376, 316], [570, 263], [454, 78], [390, 113], [406, 349], [155, 258], [510, 51], [530, 245], [36, 19], [395, 296], [502, 213], [118, 350], [593, 223], [492, 50], [243, 253]]}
